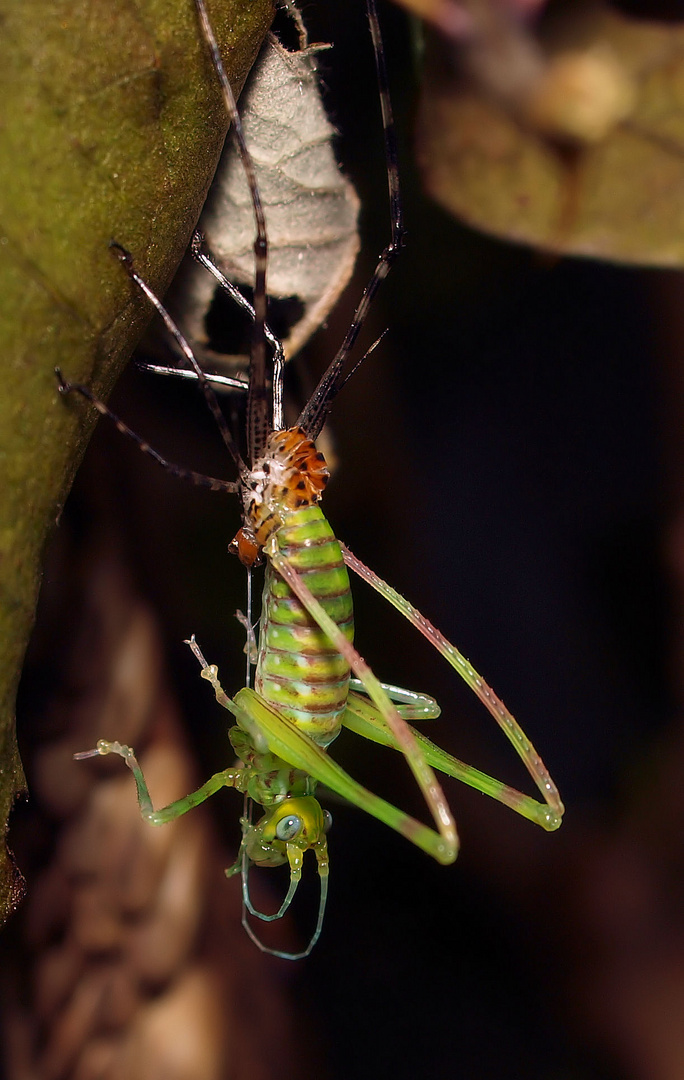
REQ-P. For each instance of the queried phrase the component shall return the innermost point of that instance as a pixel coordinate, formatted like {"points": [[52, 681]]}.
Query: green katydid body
{"points": [[302, 700], [299, 671], [302, 676], [302, 692]]}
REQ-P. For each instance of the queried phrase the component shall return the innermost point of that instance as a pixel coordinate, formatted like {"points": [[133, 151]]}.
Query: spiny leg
{"points": [[211, 482], [126, 260], [221, 382], [209, 263], [547, 814], [234, 778]]}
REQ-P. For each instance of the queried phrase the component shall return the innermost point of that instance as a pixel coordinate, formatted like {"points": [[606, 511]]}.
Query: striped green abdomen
{"points": [[298, 670]]}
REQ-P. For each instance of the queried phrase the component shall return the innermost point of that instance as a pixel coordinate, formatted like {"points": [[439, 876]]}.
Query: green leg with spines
{"points": [[232, 778], [363, 719]]}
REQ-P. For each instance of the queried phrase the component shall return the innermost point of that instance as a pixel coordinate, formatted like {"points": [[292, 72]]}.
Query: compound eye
{"points": [[327, 821], [288, 827]]}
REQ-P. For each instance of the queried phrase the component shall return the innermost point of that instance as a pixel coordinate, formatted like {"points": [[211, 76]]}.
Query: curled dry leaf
{"points": [[585, 153], [311, 208], [112, 126]]}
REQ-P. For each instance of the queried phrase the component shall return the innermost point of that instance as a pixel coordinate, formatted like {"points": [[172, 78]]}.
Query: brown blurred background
{"points": [[511, 460]]}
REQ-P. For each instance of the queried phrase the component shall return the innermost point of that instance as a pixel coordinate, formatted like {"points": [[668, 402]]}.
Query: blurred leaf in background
{"points": [[559, 126]]}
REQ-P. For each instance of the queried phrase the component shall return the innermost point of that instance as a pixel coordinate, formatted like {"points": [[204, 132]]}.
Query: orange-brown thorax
{"points": [[291, 474]]}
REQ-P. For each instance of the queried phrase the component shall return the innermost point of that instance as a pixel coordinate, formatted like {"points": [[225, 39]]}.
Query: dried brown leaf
{"points": [[607, 182]]}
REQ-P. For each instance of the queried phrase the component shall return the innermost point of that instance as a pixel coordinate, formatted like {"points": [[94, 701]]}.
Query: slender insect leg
{"points": [[289, 897], [242, 864], [210, 673], [410, 704], [323, 878], [244, 716], [363, 719], [221, 381], [209, 263], [211, 482], [258, 405], [548, 814], [126, 261], [317, 408], [234, 778]]}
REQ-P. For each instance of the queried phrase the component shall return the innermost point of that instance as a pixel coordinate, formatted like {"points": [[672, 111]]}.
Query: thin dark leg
{"points": [[199, 479], [126, 259], [258, 403], [317, 408], [209, 263]]}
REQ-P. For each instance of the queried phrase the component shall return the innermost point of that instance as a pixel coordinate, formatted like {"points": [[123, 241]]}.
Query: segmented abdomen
{"points": [[298, 670]]}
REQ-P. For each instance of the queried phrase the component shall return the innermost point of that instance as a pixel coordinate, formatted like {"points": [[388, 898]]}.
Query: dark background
{"points": [[509, 460]]}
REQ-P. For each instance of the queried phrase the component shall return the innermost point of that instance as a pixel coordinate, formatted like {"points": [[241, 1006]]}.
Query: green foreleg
{"points": [[247, 900], [321, 851], [228, 778]]}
